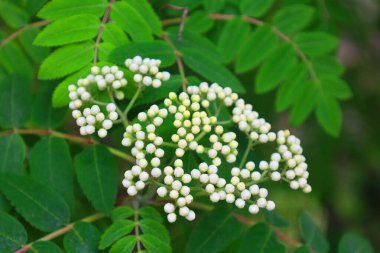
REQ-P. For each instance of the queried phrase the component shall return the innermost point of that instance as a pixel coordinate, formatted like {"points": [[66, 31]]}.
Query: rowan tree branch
{"points": [[69, 137], [178, 57], [61, 231], [21, 30], [101, 29]]}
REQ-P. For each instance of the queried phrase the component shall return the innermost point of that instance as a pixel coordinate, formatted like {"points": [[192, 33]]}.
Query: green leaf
{"points": [[275, 219], [83, 238], [61, 93], [154, 245], [36, 202], [122, 212], [14, 61], [44, 115], [291, 90], [302, 249], [327, 65], [113, 34], [58, 9], [97, 176], [154, 49], [15, 101], [114, 232], [335, 87], [275, 69], [12, 233], [304, 104], [255, 8], [154, 228], [69, 30], [194, 40], [148, 212], [214, 232], [353, 243], [45, 247], [211, 69], [329, 115], [235, 33], [105, 50], [213, 6], [199, 22], [36, 53], [257, 47], [66, 60], [50, 163], [131, 21], [293, 18], [312, 235], [316, 43], [260, 238], [12, 154], [125, 245], [12, 15], [144, 8]]}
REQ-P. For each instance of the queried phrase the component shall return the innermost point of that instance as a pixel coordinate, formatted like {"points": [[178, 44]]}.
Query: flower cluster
{"points": [[92, 115], [147, 71], [87, 113], [196, 114]]}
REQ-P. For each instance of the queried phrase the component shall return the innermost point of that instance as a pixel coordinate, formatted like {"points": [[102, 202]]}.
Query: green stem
{"points": [[137, 229], [245, 156], [133, 100]]}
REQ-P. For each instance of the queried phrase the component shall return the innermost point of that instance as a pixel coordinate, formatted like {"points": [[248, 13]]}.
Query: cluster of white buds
{"points": [[147, 71], [135, 180], [249, 122], [92, 118], [198, 131]]}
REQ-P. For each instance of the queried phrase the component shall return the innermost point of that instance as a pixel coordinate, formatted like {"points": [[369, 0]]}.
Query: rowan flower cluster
{"points": [[147, 71], [199, 131], [92, 115]]}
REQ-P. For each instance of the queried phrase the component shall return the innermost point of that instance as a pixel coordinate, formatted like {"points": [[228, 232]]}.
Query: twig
{"points": [[21, 30], [69, 137], [60, 232], [178, 57], [101, 29], [185, 11]]}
